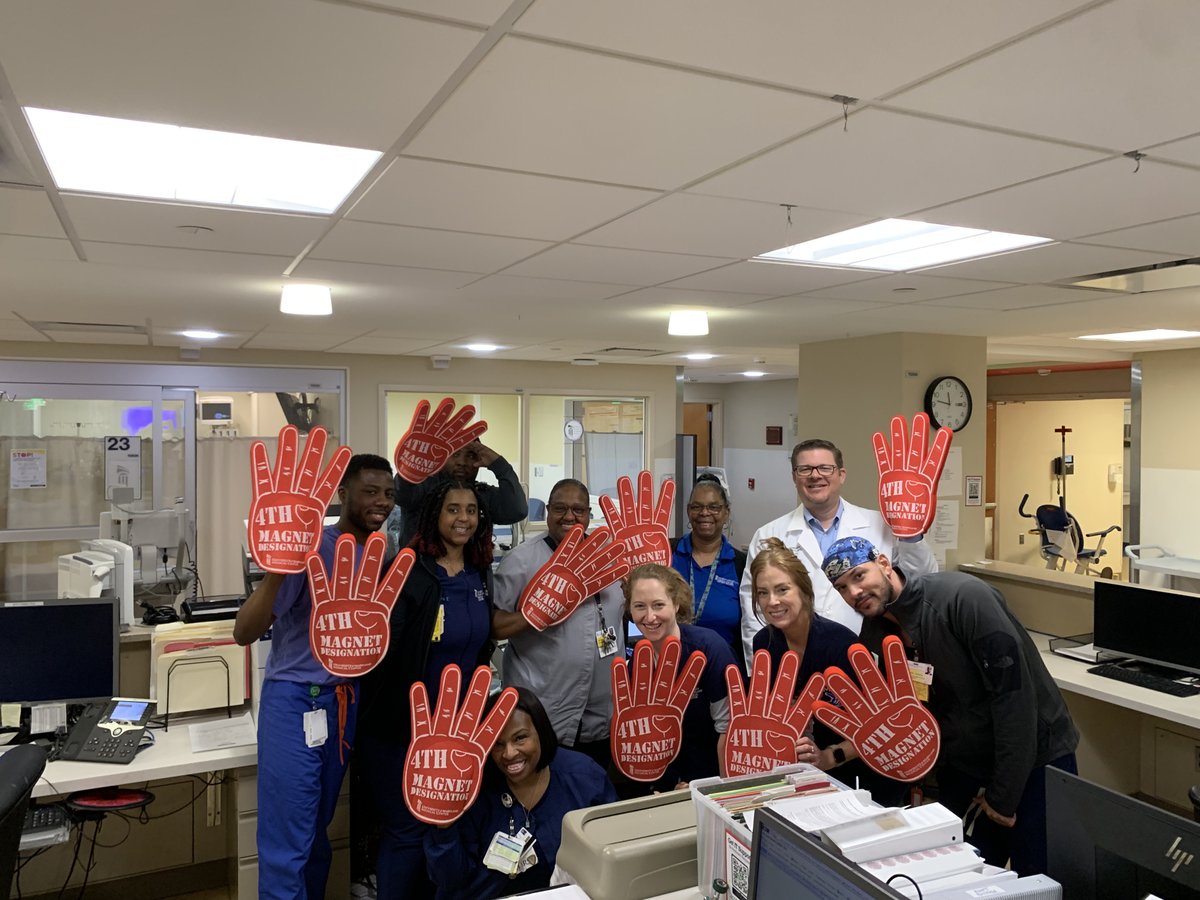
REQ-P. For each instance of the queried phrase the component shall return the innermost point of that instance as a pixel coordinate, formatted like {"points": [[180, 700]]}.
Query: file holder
{"points": [[197, 660]]}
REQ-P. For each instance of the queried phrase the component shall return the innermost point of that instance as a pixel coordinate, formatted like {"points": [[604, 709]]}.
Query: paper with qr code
{"points": [[737, 867]]}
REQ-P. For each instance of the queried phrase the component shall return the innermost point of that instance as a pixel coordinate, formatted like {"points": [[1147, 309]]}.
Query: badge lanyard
{"points": [[712, 574], [506, 801]]}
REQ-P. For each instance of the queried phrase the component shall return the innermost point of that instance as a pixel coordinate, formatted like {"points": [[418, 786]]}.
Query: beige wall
{"points": [[1025, 445], [368, 375], [850, 389], [1170, 438]]}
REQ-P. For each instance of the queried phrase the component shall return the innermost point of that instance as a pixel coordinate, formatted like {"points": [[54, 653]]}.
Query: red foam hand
{"points": [[348, 627], [894, 734], [579, 568], [647, 725], [640, 522], [444, 764], [764, 730], [909, 473], [431, 440], [289, 502]]}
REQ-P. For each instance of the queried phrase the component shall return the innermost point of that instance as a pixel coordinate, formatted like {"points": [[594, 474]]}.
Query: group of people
{"points": [[815, 581]]}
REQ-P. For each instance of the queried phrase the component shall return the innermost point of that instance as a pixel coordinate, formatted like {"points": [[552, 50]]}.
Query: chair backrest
{"points": [[1059, 530], [537, 510], [20, 768]]}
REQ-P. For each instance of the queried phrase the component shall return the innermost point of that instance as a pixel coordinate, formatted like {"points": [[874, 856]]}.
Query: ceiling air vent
{"points": [[93, 332], [626, 351], [1182, 273]]}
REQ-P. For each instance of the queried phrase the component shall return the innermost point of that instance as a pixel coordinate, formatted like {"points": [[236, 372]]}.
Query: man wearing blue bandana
{"points": [[1002, 717], [811, 528]]}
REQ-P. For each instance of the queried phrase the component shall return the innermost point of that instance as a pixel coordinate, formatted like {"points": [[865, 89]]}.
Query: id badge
{"points": [[439, 626], [606, 641], [922, 679], [504, 853], [316, 728]]}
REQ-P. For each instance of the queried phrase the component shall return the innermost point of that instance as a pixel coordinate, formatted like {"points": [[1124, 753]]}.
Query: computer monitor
{"points": [[1149, 624], [1104, 844], [786, 862], [59, 650]]}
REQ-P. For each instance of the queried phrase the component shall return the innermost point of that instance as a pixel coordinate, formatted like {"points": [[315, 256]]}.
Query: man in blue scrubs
{"points": [[306, 716]]}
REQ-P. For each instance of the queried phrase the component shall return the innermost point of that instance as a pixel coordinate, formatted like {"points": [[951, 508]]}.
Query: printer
{"points": [[98, 566]]}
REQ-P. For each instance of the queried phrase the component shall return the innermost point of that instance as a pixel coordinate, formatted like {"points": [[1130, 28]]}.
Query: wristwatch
{"points": [[839, 755]]}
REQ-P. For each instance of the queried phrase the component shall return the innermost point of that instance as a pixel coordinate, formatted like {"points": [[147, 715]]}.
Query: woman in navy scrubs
{"points": [[529, 783], [711, 565], [443, 617]]}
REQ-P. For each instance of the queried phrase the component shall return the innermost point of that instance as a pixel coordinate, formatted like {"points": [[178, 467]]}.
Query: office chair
{"points": [[537, 510], [1062, 541], [20, 768]]}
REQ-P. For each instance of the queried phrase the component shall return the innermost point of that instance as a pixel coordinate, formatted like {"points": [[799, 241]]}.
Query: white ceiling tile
{"points": [[19, 247], [399, 245], [87, 337], [1026, 296], [367, 281], [686, 223], [165, 225], [307, 71], [1108, 313], [28, 212], [1177, 237], [1098, 197], [901, 288], [1056, 262], [772, 279], [271, 339], [510, 288], [432, 194], [805, 305], [676, 297], [1120, 76], [633, 267], [542, 108], [854, 47], [916, 318], [1185, 151], [16, 330], [382, 346], [887, 164], [481, 12]]}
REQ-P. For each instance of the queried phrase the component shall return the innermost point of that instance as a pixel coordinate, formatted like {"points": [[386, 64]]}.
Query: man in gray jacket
{"points": [[1001, 715]]}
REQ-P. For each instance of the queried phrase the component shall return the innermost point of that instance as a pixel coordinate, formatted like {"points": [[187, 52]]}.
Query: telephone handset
{"points": [[109, 731]]}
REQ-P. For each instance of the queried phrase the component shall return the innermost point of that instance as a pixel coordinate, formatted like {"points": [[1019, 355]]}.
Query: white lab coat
{"points": [[914, 558]]}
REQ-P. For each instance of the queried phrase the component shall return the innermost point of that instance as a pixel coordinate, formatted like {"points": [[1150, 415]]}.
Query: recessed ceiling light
{"points": [[149, 159], [306, 300], [200, 334], [688, 323], [482, 348], [754, 373], [900, 245], [699, 357], [1154, 334]]}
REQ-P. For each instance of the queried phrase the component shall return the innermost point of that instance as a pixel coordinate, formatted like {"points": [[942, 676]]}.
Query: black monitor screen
{"points": [[785, 862], [1154, 625], [59, 650], [1103, 844]]}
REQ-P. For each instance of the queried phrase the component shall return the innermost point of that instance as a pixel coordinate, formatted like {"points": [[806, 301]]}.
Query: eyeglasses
{"points": [[561, 509], [825, 469], [713, 509]]}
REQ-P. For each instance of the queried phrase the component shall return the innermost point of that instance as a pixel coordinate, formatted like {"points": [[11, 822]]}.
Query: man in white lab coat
{"points": [[811, 529]]}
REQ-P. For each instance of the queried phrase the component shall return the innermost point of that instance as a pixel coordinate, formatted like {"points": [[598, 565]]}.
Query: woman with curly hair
{"points": [[443, 617]]}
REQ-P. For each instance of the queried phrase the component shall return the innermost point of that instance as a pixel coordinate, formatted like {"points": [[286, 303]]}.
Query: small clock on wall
{"points": [[948, 402]]}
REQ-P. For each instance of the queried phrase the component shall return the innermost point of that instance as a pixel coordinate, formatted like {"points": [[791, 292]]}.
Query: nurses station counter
{"points": [[1132, 739]]}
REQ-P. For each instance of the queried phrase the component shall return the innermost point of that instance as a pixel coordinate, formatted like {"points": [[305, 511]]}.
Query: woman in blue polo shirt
{"points": [[711, 565], [443, 617]]}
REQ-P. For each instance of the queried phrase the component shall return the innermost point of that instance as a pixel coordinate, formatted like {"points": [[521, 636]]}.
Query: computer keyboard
{"points": [[44, 826], [1146, 680]]}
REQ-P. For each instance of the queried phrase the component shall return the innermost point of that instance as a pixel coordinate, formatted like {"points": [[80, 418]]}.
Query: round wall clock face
{"points": [[948, 402], [573, 430]]}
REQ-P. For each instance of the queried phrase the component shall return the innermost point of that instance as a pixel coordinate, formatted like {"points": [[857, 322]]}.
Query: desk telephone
{"points": [[109, 731]]}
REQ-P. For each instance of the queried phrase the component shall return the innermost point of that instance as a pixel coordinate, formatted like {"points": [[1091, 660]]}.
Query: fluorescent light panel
{"points": [[901, 245], [200, 334], [754, 373], [688, 323], [306, 300], [482, 348], [126, 158], [699, 357], [1153, 334]]}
